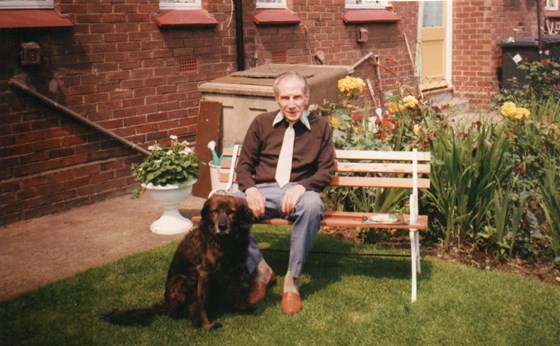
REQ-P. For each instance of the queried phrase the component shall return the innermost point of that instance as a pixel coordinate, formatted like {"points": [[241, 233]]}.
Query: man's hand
{"points": [[255, 201], [291, 197]]}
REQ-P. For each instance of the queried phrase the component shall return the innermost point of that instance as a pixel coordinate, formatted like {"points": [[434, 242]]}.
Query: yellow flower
{"points": [[417, 128], [334, 123], [351, 85], [396, 108], [508, 109], [521, 113], [410, 101]]}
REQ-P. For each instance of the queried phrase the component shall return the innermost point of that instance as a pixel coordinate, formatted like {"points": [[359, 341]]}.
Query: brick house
{"points": [[134, 67]]}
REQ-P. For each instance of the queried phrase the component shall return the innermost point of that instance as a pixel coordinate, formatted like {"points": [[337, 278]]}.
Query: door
{"points": [[434, 45]]}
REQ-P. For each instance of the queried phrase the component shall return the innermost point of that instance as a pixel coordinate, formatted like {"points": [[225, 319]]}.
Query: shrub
{"points": [[549, 189], [467, 170]]}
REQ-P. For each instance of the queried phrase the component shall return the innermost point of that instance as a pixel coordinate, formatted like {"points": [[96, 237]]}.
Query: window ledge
{"points": [[552, 14], [169, 18], [369, 16], [11, 19], [276, 17]]}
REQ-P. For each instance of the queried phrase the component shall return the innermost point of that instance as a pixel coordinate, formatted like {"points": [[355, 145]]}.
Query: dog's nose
{"points": [[223, 225]]}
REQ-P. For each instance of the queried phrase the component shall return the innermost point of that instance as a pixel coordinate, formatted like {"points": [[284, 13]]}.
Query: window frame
{"points": [[382, 4], [167, 5], [282, 4], [26, 4], [549, 7]]}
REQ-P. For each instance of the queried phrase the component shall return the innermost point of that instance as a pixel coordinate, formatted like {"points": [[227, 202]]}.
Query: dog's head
{"points": [[223, 215]]}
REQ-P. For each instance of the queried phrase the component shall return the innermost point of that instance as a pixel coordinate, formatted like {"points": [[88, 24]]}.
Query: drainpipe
{"points": [[239, 39], [539, 36], [76, 116]]}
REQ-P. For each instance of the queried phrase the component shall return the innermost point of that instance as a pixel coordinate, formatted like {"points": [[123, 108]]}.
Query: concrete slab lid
{"points": [[258, 81]]}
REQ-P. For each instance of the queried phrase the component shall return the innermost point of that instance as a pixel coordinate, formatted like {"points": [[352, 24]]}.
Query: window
{"points": [[27, 4], [551, 5], [361, 4], [433, 14], [271, 3], [178, 4]]}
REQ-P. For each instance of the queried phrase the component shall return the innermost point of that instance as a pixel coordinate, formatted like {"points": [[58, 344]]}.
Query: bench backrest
{"points": [[394, 169]]}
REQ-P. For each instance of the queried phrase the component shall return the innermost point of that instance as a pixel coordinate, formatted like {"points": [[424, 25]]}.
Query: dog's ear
{"points": [[244, 214], [205, 212]]}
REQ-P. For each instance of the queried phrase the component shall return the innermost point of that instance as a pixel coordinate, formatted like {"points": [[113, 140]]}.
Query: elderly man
{"points": [[286, 160]]}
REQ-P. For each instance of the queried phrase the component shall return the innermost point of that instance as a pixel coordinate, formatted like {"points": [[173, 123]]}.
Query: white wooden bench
{"points": [[366, 169]]}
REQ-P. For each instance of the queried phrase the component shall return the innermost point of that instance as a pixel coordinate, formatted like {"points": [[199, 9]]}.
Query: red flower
{"points": [[388, 125], [520, 169], [357, 116]]}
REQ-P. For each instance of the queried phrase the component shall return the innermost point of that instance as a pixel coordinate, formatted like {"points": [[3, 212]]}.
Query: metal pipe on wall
{"points": [[239, 36], [76, 116]]}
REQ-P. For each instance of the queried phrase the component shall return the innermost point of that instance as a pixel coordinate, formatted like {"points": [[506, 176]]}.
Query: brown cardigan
{"points": [[313, 157]]}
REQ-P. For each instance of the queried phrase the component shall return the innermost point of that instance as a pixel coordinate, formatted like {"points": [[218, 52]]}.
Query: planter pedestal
{"points": [[170, 196]]}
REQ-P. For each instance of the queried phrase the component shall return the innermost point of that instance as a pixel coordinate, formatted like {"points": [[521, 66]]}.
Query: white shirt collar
{"points": [[304, 119]]}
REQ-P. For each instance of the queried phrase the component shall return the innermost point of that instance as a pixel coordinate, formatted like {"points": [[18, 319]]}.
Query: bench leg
{"points": [[414, 259], [418, 267]]}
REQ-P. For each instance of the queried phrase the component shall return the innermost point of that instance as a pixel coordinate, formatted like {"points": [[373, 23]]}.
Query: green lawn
{"points": [[348, 300]]}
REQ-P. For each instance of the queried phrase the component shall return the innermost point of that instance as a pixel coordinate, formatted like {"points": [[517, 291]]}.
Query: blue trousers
{"points": [[306, 218]]}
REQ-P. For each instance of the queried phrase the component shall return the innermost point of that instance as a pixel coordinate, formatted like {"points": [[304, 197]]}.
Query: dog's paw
{"points": [[212, 326]]}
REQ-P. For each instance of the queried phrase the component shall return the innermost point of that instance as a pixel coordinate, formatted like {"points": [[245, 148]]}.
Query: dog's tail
{"points": [[142, 317]]}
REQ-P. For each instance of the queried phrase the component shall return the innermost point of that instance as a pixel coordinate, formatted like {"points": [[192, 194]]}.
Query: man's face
{"points": [[291, 98]]}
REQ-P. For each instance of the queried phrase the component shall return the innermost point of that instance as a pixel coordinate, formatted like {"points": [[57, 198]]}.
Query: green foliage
{"points": [[534, 142], [550, 192], [467, 170], [175, 164], [542, 77], [486, 181], [542, 80]]}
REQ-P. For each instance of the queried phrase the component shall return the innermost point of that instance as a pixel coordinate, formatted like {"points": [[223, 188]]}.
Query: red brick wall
{"points": [[118, 69], [478, 28]]}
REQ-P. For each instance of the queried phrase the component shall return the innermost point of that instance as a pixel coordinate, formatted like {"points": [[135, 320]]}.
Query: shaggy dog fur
{"points": [[208, 273]]}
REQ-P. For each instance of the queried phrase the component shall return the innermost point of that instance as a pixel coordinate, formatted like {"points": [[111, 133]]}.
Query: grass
{"points": [[348, 300]]}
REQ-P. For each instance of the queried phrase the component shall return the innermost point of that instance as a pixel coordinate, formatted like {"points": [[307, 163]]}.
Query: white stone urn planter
{"points": [[170, 196]]}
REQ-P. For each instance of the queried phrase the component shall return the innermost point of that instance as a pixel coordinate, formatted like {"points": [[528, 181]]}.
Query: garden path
{"points": [[39, 251]]}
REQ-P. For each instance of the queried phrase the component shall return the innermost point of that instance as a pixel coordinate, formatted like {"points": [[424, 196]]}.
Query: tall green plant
{"points": [[467, 170], [501, 237], [551, 205]]}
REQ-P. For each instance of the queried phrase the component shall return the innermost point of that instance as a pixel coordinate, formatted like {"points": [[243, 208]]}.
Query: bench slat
{"points": [[374, 155], [396, 168], [371, 182], [347, 219], [374, 182]]}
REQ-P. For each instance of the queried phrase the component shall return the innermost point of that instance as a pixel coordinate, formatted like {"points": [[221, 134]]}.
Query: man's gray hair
{"points": [[288, 75]]}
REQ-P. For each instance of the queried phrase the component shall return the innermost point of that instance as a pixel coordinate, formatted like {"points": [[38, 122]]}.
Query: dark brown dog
{"points": [[208, 273]]}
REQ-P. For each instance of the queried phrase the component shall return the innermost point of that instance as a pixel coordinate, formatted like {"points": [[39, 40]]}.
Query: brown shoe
{"points": [[291, 303], [258, 290]]}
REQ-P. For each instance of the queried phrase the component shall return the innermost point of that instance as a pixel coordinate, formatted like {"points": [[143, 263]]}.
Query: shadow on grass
{"points": [[332, 259]]}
